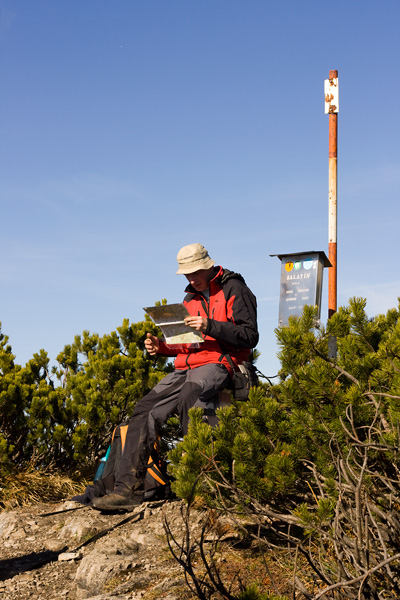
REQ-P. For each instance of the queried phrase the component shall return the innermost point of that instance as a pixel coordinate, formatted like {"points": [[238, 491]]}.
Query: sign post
{"points": [[331, 89]]}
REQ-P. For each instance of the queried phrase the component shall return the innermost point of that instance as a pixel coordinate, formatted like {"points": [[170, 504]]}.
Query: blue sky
{"points": [[131, 128]]}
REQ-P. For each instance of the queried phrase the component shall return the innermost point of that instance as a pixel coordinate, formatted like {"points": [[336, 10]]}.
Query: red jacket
{"points": [[232, 323]]}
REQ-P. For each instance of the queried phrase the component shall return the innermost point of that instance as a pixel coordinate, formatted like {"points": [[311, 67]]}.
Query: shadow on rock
{"points": [[10, 567]]}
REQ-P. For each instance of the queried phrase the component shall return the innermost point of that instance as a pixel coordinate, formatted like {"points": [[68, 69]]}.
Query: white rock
{"points": [[69, 556]]}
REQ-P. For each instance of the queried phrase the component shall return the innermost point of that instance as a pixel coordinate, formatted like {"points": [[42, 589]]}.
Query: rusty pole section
{"points": [[332, 108]]}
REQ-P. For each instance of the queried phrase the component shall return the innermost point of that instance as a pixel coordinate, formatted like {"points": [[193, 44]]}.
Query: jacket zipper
{"points": [[206, 310]]}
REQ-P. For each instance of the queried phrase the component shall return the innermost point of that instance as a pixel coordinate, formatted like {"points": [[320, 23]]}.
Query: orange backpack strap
{"points": [[123, 432], [155, 472], [113, 434]]}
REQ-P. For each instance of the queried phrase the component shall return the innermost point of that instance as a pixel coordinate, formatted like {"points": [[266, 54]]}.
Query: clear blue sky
{"points": [[131, 128]]}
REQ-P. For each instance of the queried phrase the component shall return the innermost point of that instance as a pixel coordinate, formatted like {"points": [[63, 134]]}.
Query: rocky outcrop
{"points": [[65, 551]]}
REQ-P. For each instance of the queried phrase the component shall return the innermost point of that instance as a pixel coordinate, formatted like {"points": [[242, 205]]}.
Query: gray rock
{"points": [[70, 556], [79, 528], [96, 570], [53, 544], [10, 525]]}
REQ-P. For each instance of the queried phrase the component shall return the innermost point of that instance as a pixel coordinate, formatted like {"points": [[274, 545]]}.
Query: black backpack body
{"points": [[156, 483]]}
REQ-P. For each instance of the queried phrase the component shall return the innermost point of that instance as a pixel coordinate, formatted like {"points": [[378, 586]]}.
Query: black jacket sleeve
{"points": [[240, 331]]}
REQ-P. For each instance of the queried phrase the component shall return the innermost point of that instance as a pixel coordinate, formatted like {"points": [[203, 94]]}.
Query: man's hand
{"points": [[152, 344], [197, 323]]}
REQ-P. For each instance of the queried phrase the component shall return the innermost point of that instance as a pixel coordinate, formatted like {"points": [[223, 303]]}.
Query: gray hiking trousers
{"points": [[176, 393]]}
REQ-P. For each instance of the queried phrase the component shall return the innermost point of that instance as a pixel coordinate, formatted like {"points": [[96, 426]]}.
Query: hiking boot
{"points": [[117, 503]]}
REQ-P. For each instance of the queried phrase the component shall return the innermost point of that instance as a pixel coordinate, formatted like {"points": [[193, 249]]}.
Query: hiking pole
{"points": [[58, 512]]}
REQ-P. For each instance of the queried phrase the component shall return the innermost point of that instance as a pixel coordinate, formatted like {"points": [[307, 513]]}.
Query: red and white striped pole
{"points": [[332, 108]]}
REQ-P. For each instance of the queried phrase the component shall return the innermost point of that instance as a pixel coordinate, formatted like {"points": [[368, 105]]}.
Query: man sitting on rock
{"points": [[224, 310]]}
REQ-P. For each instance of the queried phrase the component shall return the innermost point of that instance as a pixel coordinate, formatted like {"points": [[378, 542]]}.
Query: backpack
{"points": [[243, 379], [156, 483]]}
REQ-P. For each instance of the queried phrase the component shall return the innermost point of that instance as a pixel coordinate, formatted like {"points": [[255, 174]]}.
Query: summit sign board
{"points": [[301, 283]]}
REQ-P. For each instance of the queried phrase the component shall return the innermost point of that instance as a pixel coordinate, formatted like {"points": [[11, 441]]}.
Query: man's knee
{"points": [[145, 404]]}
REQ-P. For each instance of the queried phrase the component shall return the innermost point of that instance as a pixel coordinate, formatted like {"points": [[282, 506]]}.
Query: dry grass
{"points": [[33, 486]]}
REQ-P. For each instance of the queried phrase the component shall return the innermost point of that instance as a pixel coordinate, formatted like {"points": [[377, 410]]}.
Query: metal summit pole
{"points": [[332, 108]]}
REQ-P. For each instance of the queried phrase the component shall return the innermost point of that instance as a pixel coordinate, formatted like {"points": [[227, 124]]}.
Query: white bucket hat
{"points": [[192, 258]]}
